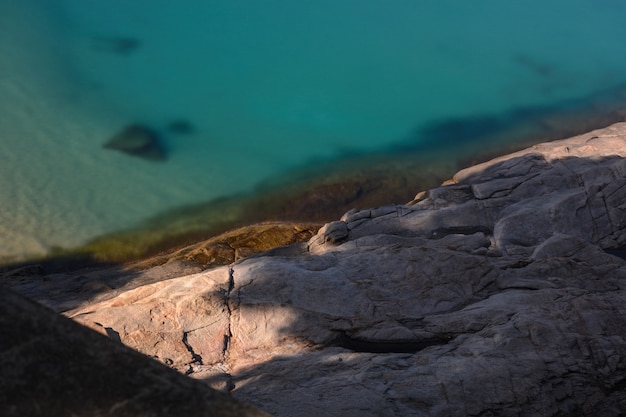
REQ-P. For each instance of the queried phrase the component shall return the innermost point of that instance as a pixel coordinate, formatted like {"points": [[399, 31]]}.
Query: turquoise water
{"points": [[263, 87]]}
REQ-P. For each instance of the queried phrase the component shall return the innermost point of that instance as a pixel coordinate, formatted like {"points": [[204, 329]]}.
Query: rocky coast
{"points": [[500, 292]]}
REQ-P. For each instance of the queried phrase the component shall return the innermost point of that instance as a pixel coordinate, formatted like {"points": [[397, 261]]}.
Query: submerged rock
{"points": [[138, 140], [181, 127], [119, 45]]}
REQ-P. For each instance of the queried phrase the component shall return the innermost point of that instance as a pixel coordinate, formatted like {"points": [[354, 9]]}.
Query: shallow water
{"points": [[256, 89]]}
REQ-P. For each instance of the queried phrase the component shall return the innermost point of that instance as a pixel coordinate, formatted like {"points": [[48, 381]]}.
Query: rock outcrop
{"points": [[237, 244], [51, 366], [494, 294]]}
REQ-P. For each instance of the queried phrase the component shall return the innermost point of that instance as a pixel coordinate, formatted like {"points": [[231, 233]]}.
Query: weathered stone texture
{"points": [[181, 322], [51, 366], [490, 295]]}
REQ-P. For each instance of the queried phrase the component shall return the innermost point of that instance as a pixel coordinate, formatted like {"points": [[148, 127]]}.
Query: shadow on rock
{"points": [[495, 294], [492, 294], [53, 366]]}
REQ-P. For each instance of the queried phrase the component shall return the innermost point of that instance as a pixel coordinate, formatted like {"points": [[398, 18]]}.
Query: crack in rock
{"points": [[196, 358], [389, 346], [113, 334], [230, 385], [228, 334]]}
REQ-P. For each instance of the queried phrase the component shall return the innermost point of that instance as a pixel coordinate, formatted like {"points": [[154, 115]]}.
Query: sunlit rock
{"points": [[494, 294], [52, 366]]}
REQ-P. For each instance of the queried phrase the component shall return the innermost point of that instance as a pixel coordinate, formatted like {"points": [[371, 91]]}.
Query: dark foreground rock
{"points": [[138, 140], [53, 367], [495, 294]]}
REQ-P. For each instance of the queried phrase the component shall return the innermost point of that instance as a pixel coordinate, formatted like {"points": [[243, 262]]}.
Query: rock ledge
{"points": [[494, 294]]}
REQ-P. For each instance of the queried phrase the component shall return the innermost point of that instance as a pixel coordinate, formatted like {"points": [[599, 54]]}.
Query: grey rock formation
{"points": [[490, 295], [493, 294]]}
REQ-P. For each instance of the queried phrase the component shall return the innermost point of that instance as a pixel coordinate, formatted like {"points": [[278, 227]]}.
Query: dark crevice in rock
{"points": [[231, 281], [113, 335], [226, 342], [228, 335], [389, 346], [619, 252], [230, 385], [336, 232], [607, 210], [411, 322], [460, 230], [521, 263], [196, 358], [619, 386], [519, 288]]}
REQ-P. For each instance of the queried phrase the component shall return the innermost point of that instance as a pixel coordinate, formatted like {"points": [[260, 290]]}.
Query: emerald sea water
{"points": [[241, 91]]}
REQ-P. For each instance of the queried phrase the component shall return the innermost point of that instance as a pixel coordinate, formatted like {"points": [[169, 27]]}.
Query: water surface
{"points": [[242, 91]]}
